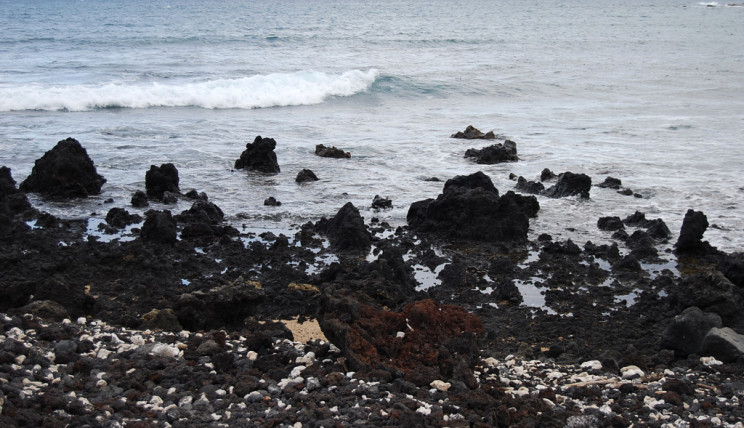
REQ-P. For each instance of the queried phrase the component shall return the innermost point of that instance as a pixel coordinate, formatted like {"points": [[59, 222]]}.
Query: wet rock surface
{"points": [[66, 171], [429, 325], [472, 133], [259, 156], [331, 152], [160, 180], [497, 153]]}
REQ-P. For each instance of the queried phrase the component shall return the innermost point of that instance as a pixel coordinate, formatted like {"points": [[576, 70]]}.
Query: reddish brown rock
{"points": [[426, 340]]}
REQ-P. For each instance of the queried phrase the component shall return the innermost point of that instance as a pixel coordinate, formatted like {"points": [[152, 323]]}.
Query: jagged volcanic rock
{"points": [[347, 232], [64, 172], [472, 133], [494, 154], [305, 176], [470, 208], [570, 184], [159, 180], [159, 227], [259, 156], [331, 152]]}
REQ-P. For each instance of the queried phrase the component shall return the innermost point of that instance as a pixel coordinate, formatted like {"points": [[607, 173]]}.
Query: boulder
{"points": [[305, 175], [347, 232], [69, 294], [611, 183], [470, 208], [139, 199], [331, 152], [711, 292], [159, 227], [380, 203], [12, 201], [529, 186], [472, 133], [272, 202], [723, 343], [64, 172], [732, 267], [159, 180], [687, 330], [225, 306], [425, 340], [610, 223], [259, 156], [202, 212], [119, 218], [570, 184], [691, 234], [546, 175], [494, 154]]}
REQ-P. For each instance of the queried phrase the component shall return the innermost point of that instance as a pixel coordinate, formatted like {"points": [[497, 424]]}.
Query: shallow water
{"points": [[652, 94]]}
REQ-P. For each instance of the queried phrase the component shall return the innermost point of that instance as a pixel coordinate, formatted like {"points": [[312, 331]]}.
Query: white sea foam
{"points": [[269, 90]]}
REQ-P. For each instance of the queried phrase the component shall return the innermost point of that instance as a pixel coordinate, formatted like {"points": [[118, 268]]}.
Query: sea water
{"points": [[649, 92]]}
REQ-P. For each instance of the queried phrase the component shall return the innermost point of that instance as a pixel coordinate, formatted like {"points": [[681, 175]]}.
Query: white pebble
{"points": [[137, 340], [252, 355], [163, 350], [424, 410], [20, 359], [156, 400], [591, 365], [440, 385], [710, 361], [82, 321], [400, 335], [631, 372]]}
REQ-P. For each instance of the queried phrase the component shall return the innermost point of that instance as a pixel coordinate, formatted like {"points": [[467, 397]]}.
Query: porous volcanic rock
{"points": [[64, 172], [259, 156], [611, 183], [305, 176], [691, 233], [347, 232], [723, 343], [331, 152], [119, 217], [380, 203], [497, 153], [527, 186], [426, 340], [160, 227], [711, 292], [225, 306], [139, 199], [570, 184], [272, 202], [12, 201], [687, 330], [470, 207], [161, 179], [472, 133]]}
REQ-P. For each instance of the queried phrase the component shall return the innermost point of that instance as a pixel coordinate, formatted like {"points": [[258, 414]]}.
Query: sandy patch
{"points": [[308, 330]]}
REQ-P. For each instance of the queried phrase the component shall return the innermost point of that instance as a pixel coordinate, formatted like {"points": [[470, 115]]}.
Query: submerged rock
{"points": [[305, 175], [259, 156], [331, 152], [494, 154], [472, 133], [380, 203], [64, 172], [570, 184], [272, 202], [527, 186], [162, 179], [470, 208]]}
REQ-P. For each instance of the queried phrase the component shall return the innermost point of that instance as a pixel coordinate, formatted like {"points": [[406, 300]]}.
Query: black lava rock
{"points": [[306, 175], [139, 199], [570, 184], [331, 152], [259, 156], [347, 232], [159, 227], [64, 172], [494, 154], [159, 180]]}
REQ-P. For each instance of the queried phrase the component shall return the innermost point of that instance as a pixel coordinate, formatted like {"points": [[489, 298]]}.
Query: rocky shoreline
{"points": [[456, 319]]}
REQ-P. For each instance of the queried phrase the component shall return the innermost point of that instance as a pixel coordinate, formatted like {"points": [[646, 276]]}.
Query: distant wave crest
{"points": [[259, 91]]}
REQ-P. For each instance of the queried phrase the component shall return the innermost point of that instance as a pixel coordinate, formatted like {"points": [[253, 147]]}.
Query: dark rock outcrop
{"points": [[259, 156], [380, 203], [724, 344], [159, 227], [611, 183], [331, 152], [470, 208], [686, 332], [570, 184], [271, 202], [162, 179], [546, 175], [119, 217], [64, 172], [711, 292], [732, 267], [527, 186], [305, 175], [494, 154], [347, 232], [691, 234], [472, 133], [225, 306], [12, 201], [610, 223], [139, 199]]}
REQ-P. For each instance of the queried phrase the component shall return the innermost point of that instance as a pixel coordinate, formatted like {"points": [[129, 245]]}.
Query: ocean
{"points": [[650, 92]]}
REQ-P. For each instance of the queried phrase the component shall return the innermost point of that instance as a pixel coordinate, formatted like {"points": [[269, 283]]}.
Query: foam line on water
{"points": [[258, 91]]}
